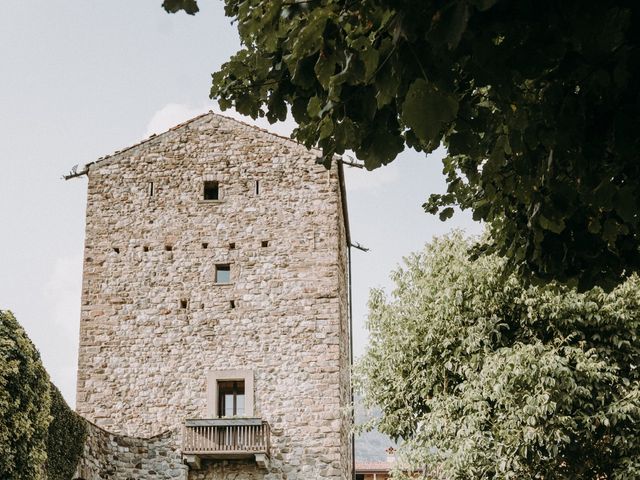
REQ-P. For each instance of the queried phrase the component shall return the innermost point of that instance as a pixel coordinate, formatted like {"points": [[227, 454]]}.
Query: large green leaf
{"points": [[307, 41], [314, 106], [427, 110], [173, 6]]}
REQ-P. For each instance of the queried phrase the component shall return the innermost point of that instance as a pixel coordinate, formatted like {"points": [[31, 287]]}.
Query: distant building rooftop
{"points": [[373, 467]]}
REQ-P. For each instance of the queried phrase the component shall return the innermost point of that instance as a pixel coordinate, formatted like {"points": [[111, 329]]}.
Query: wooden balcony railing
{"points": [[226, 438]]}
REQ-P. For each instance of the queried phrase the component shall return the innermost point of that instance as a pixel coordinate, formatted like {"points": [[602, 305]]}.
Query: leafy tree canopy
{"points": [[535, 100], [485, 377], [24, 404], [40, 436]]}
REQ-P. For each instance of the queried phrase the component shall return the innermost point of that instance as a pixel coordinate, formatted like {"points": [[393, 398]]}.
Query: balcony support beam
{"points": [[262, 460], [193, 461]]}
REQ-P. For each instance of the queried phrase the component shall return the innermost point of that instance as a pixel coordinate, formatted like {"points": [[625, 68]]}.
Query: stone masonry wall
{"points": [[114, 457], [154, 321]]}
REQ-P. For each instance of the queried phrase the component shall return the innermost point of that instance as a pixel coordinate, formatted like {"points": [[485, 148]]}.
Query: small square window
{"points": [[265, 243], [145, 248], [211, 190], [223, 273], [205, 245], [168, 248], [232, 304], [184, 303], [232, 246]]}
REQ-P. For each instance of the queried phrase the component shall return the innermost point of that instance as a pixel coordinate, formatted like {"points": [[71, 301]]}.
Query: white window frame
{"points": [[215, 376]]}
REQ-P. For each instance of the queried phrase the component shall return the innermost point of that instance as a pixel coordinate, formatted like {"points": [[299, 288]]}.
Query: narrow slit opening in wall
{"points": [[232, 304], [183, 304], [151, 189], [265, 243], [168, 248], [257, 187], [232, 246], [211, 190], [116, 249], [205, 245]]}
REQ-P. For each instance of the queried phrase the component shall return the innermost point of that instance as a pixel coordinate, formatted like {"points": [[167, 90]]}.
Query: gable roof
{"points": [[211, 114]]}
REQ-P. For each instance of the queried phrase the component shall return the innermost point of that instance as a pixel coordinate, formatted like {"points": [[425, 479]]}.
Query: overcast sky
{"points": [[82, 79]]}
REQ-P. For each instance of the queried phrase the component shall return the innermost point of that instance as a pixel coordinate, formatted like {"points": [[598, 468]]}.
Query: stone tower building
{"points": [[215, 302]]}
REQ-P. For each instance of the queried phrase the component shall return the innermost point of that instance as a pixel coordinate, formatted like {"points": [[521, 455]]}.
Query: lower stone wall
{"points": [[233, 470], [116, 457], [108, 456], [249, 470]]}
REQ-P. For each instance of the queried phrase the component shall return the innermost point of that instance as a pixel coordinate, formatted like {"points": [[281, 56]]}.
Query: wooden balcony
{"points": [[226, 439]]}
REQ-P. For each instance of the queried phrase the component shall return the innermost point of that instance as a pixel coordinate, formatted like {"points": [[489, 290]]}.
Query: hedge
{"points": [[40, 436], [67, 434], [24, 404]]}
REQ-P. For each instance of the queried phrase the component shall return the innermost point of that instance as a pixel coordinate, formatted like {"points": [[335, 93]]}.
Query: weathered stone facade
{"points": [[109, 456], [155, 322]]}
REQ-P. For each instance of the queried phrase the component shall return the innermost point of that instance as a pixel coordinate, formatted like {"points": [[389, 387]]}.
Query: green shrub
{"points": [[67, 433], [24, 404]]}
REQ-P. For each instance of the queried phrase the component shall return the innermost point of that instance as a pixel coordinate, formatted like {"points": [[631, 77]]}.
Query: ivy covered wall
{"points": [[66, 439]]}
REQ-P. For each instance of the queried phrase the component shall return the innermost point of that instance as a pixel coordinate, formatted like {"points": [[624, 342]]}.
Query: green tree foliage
{"points": [[24, 404], [40, 436], [66, 438], [535, 100], [485, 377]]}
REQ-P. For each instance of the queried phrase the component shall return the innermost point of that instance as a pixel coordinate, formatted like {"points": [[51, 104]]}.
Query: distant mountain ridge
{"points": [[370, 446]]}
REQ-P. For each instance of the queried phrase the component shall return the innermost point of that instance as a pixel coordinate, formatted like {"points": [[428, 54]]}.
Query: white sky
{"points": [[79, 80]]}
